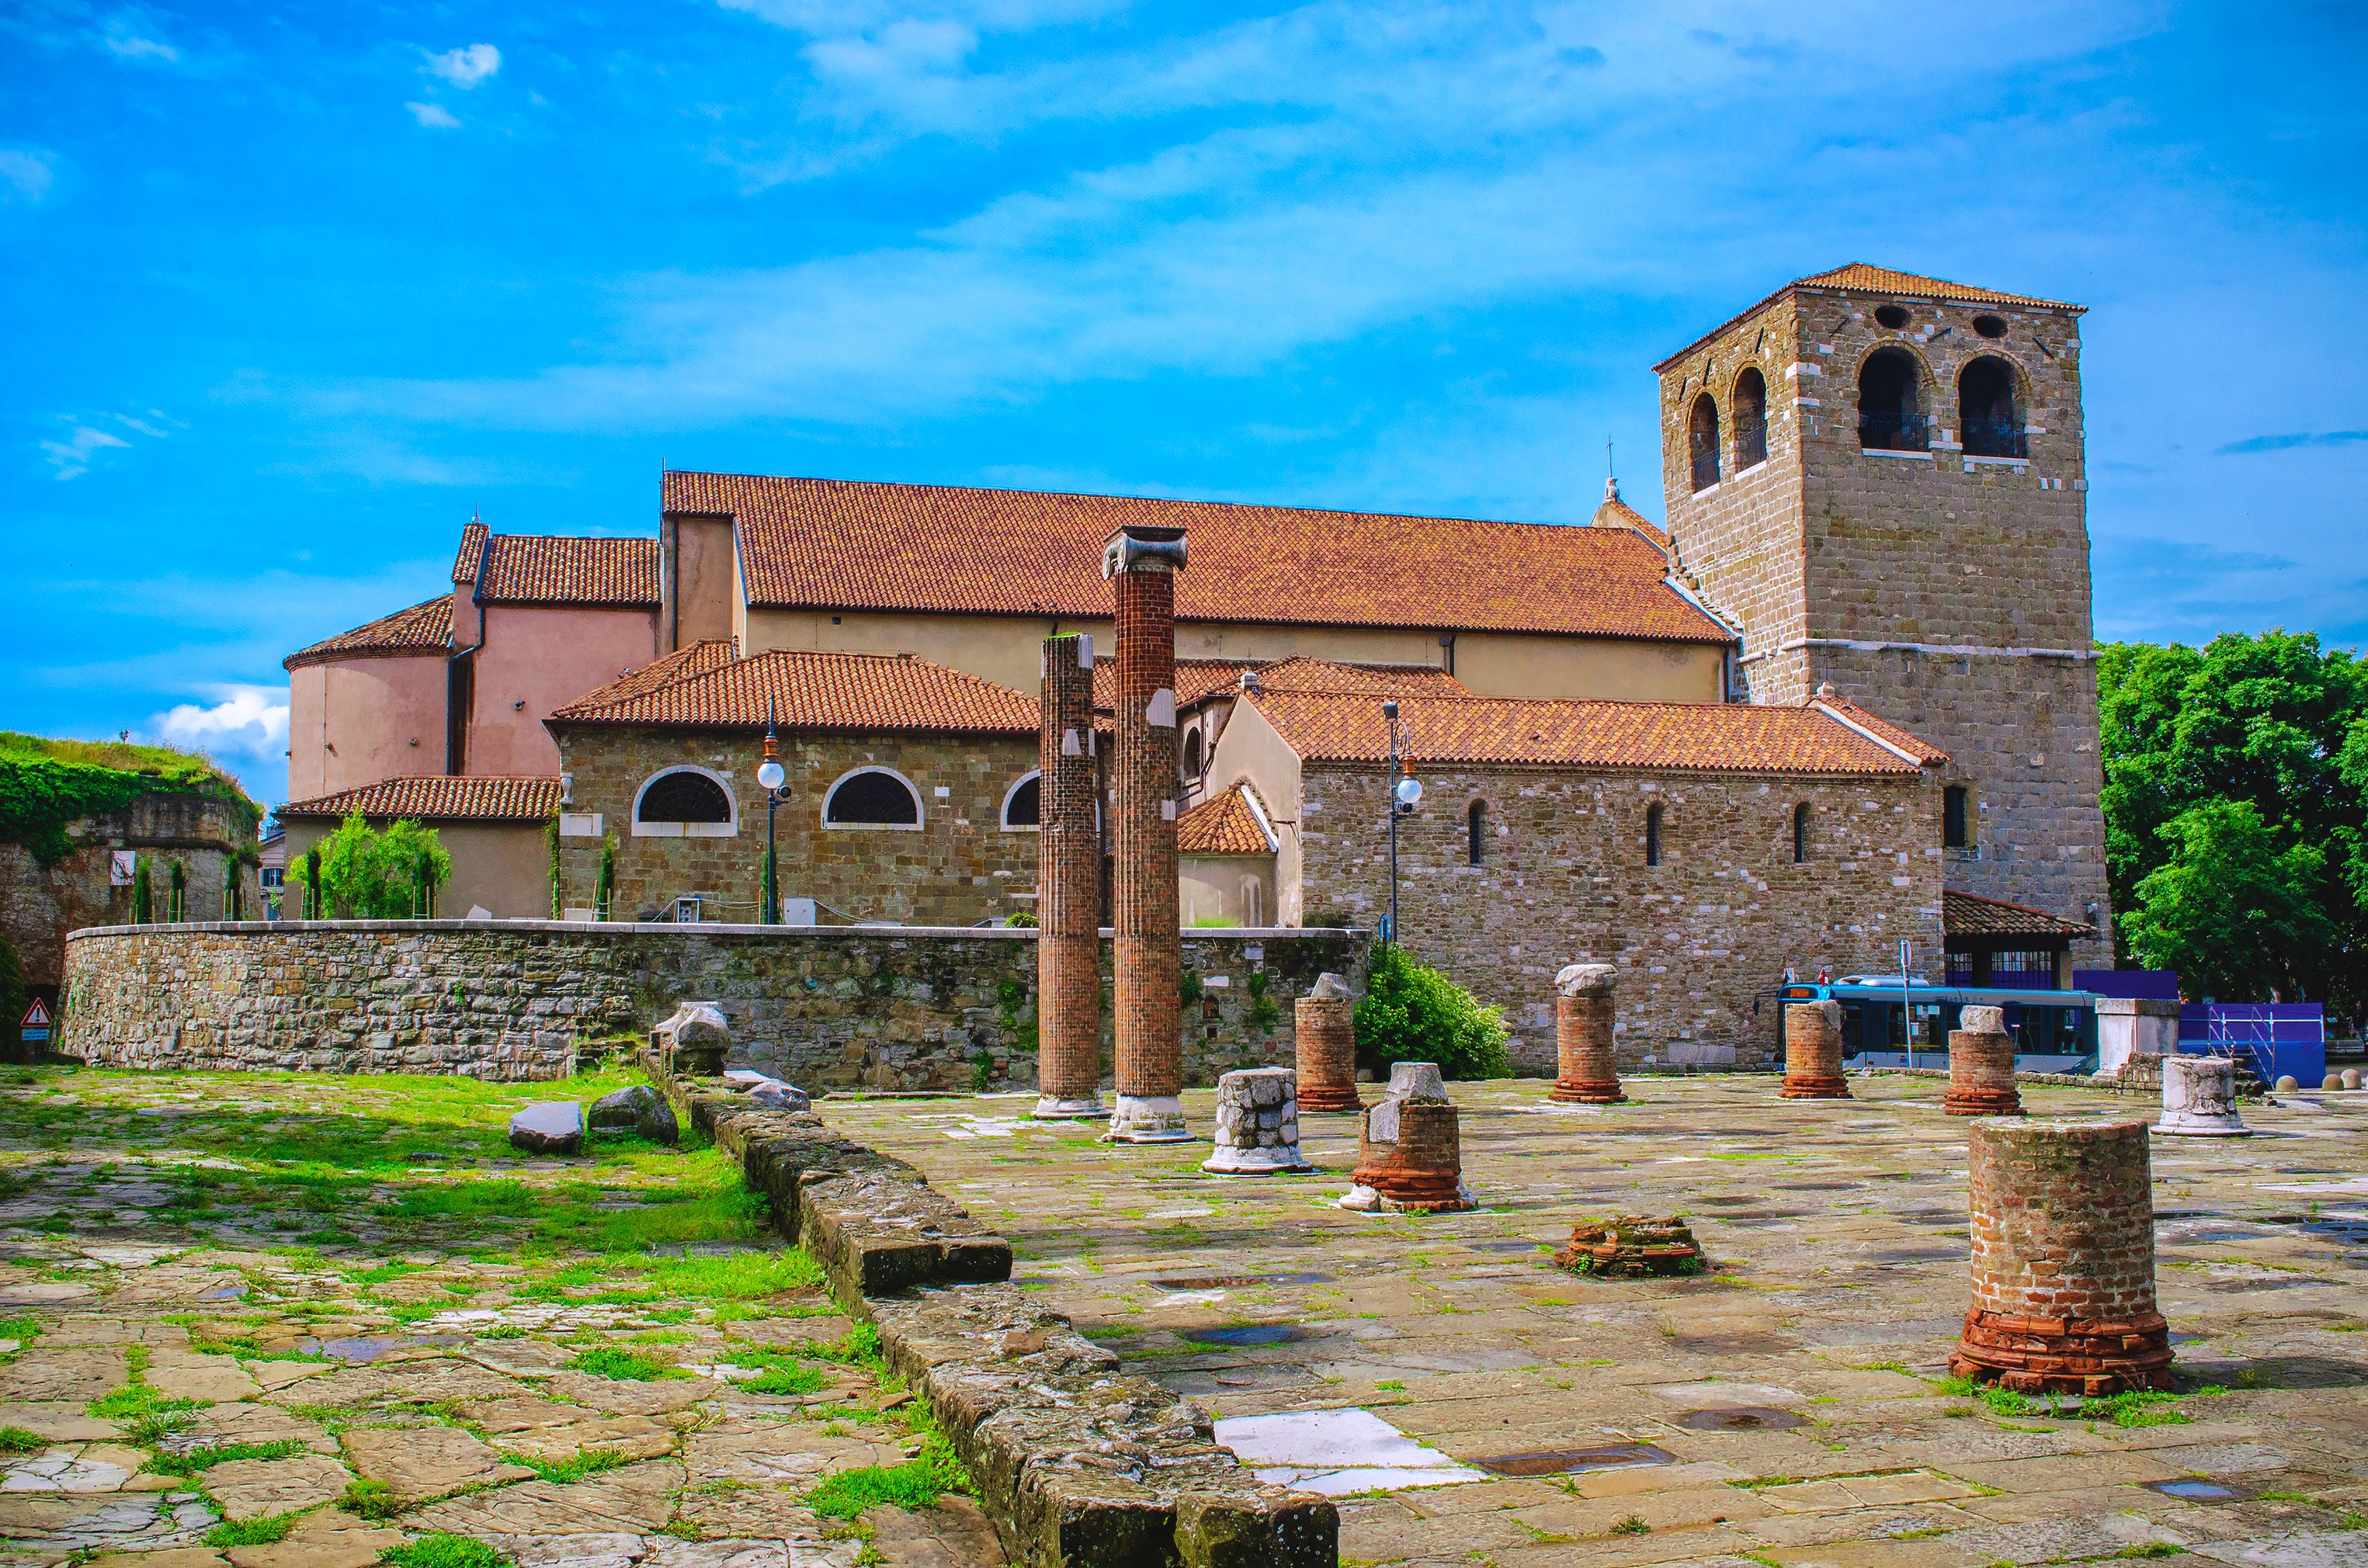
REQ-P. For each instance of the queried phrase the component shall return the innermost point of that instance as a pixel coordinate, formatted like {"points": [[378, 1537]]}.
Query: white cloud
{"points": [[133, 46], [71, 454], [435, 116], [25, 175], [464, 68], [242, 721]]}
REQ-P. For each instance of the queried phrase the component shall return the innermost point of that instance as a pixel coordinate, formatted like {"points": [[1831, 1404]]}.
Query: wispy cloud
{"points": [[25, 176], [464, 68], [248, 721], [2297, 438], [435, 116], [70, 456]]}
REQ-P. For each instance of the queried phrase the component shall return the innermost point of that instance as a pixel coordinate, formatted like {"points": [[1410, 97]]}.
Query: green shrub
{"points": [[1412, 1013], [373, 874], [444, 1551], [18, 1441]]}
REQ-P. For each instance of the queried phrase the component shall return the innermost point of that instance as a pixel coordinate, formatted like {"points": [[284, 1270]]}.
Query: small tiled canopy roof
{"points": [[437, 798], [1862, 277], [1615, 513], [816, 543], [807, 691], [422, 629], [1709, 737], [543, 568], [1966, 915], [1922, 750], [1227, 824]]}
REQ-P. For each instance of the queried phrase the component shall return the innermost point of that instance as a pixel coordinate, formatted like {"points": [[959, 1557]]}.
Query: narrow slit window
{"points": [[1475, 832], [1801, 834], [1653, 835], [1702, 441], [1952, 817], [1751, 419]]}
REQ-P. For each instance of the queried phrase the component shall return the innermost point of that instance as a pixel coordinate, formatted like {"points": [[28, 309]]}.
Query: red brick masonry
{"points": [[1068, 889], [1326, 1038], [1410, 1151], [2063, 1260], [1981, 1067], [1583, 1017], [1813, 1053]]}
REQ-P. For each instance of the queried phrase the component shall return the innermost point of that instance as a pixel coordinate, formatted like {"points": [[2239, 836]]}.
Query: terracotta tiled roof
{"points": [[1304, 674], [1223, 824], [1963, 915], [1923, 750], [1708, 737], [437, 798], [1195, 678], [1615, 513], [815, 543], [1865, 279], [472, 553], [809, 691], [700, 658], [423, 629], [544, 569]]}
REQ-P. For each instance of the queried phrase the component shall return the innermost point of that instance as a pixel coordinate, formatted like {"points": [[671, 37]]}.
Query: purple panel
{"points": [[2152, 984]]}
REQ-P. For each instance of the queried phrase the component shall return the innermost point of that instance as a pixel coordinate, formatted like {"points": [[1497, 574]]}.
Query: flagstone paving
{"points": [[1787, 1407], [263, 1320]]}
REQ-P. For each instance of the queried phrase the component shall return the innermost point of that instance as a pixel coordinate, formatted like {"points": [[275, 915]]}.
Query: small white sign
{"points": [[579, 824], [122, 865]]}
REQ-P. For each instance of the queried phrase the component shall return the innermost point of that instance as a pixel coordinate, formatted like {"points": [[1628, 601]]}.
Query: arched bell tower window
{"points": [[1891, 416], [1702, 441], [1194, 763], [1987, 414], [1750, 406]]}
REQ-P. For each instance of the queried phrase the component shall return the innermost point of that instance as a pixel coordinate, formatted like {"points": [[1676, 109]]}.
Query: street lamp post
{"points": [[1406, 793], [770, 773]]}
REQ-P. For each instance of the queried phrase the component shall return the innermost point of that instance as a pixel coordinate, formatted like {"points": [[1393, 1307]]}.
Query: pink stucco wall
{"points": [[359, 721], [535, 658]]}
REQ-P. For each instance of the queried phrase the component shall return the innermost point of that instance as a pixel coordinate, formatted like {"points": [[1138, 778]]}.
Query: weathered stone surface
{"points": [[61, 1421], [1257, 1128], [693, 1039], [640, 1110], [821, 1007], [552, 1126], [254, 1489], [2199, 1097], [427, 1461], [774, 1095], [635, 1436], [325, 1538]]}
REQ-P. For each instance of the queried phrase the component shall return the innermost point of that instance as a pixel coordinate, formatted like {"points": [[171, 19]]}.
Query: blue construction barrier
{"points": [[2277, 1037]]}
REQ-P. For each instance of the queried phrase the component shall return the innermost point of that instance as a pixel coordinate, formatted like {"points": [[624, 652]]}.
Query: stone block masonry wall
{"points": [[39, 904], [1699, 940], [911, 1009], [961, 865]]}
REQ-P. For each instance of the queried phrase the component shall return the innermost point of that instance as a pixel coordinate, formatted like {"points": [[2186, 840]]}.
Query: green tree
{"points": [[1412, 1013], [2237, 916], [373, 874]]}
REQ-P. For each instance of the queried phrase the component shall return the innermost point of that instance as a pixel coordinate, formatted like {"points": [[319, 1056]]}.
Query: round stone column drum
{"points": [[1326, 1033], [1583, 1014], [1813, 1053], [2198, 1099], [2063, 1260], [1981, 1066], [1410, 1156]]}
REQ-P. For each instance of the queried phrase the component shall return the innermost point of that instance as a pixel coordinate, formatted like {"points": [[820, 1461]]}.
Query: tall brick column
{"points": [[1583, 1017], [1813, 1053], [1068, 890], [1142, 563], [2063, 1259]]}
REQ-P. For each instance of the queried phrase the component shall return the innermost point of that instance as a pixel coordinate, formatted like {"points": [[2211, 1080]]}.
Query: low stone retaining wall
{"points": [[912, 1009], [1077, 1463]]}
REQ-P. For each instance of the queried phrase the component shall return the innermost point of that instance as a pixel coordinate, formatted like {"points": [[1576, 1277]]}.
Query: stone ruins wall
{"points": [[1698, 939], [38, 904], [904, 1009]]}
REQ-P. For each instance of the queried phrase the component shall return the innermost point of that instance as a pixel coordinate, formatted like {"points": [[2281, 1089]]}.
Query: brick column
{"points": [[1325, 1034], [1142, 563], [2063, 1259], [1068, 890], [1981, 1066], [1813, 1053], [1583, 1014], [1410, 1153]]}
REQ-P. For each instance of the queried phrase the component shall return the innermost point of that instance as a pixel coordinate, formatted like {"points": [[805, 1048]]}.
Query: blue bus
{"points": [[2056, 1032]]}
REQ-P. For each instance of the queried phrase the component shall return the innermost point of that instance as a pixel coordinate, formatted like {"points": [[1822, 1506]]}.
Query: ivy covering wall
{"points": [[47, 784]]}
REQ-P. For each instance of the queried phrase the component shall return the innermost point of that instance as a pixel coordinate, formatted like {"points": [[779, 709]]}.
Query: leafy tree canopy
{"points": [[387, 873], [1412, 1013]]}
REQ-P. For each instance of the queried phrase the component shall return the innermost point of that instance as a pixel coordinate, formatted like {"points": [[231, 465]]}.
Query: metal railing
{"points": [[1894, 432], [1996, 441]]}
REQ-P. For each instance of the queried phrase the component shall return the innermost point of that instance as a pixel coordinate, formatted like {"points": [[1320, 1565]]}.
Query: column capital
{"points": [[1141, 547]]}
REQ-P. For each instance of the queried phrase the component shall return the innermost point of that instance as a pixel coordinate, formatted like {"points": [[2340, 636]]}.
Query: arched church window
{"points": [[1475, 832], [1023, 805], [1702, 441], [1890, 413], [1985, 410], [1801, 834], [1653, 835], [1750, 405], [873, 797], [683, 802]]}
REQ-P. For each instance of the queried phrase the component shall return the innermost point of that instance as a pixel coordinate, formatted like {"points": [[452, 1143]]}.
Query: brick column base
{"points": [[1813, 1053], [1410, 1156], [1589, 1075], [1325, 1034], [2063, 1354], [1981, 1067]]}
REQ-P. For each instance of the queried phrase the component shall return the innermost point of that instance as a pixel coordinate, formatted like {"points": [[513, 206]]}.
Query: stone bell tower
{"points": [[1882, 477]]}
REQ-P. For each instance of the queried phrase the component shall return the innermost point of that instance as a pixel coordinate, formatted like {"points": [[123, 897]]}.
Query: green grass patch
{"points": [[23, 1330], [444, 1551], [370, 1499], [17, 1440], [625, 1366], [196, 1461], [573, 1468], [137, 1402], [919, 1482], [252, 1532]]}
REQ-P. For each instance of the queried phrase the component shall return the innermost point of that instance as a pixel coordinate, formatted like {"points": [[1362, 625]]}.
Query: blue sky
{"points": [[287, 292]]}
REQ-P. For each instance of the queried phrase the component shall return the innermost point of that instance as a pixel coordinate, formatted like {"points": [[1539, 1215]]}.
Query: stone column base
{"points": [[1807, 1087], [2063, 1354], [1231, 1160], [2195, 1124], [1329, 1096], [1087, 1108], [1431, 1201], [1982, 1102], [1587, 1091], [1148, 1118]]}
